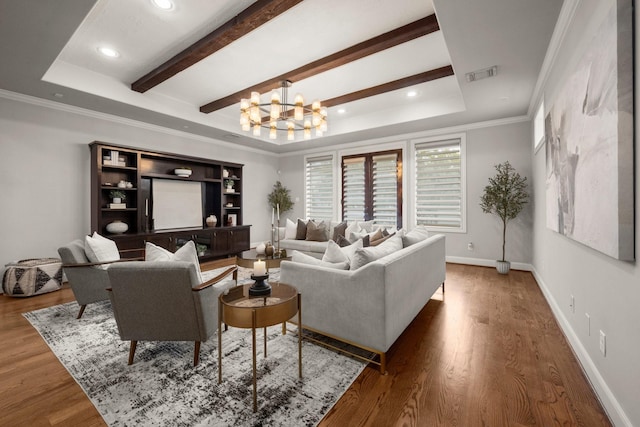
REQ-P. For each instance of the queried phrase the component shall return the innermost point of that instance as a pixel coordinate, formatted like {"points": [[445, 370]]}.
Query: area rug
{"points": [[163, 388]]}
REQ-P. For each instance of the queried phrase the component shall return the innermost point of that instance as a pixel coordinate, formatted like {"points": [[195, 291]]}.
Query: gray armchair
{"points": [[163, 301], [87, 280]]}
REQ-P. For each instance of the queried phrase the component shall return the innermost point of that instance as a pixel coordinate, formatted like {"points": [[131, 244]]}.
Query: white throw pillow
{"points": [[364, 256], [414, 236], [334, 253], [366, 225], [302, 258], [290, 229], [100, 249], [347, 251], [352, 227], [185, 253]]}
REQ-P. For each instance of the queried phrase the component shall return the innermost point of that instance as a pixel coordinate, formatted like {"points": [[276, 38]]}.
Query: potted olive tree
{"points": [[280, 198], [505, 196]]}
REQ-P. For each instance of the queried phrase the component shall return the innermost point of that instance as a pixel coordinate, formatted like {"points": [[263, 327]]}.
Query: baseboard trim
{"points": [[609, 402], [487, 263]]}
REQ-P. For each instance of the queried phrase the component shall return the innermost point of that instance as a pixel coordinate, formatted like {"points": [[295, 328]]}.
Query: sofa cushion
{"points": [[301, 231], [308, 259], [352, 227], [290, 230], [414, 236], [381, 240], [100, 249], [366, 225], [304, 245], [186, 253], [317, 231], [339, 230], [364, 256], [336, 253]]}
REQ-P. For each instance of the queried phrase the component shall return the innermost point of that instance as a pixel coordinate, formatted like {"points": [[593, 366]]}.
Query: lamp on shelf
{"points": [[283, 117]]}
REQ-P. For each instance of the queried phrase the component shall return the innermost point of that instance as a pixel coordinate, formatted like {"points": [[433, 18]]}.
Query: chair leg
{"points": [[443, 287], [82, 307], [132, 351], [196, 353]]}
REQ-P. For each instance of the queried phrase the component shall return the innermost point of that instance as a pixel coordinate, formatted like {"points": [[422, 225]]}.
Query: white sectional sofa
{"points": [[369, 307]]}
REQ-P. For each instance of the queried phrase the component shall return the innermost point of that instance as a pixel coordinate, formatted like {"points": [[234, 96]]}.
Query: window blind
{"points": [[385, 190], [319, 198], [353, 189], [439, 184]]}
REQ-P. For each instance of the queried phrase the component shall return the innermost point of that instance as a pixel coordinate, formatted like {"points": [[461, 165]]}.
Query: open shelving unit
{"points": [[111, 164]]}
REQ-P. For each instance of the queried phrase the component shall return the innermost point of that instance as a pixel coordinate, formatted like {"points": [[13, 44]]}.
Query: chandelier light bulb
{"points": [[256, 129], [307, 129], [273, 134], [299, 108], [275, 105], [290, 130]]}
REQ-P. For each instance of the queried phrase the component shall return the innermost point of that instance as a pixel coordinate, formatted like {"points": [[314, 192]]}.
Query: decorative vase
{"points": [[182, 172], [117, 200], [211, 220], [268, 250], [117, 227], [260, 249], [503, 267], [229, 189], [225, 173]]}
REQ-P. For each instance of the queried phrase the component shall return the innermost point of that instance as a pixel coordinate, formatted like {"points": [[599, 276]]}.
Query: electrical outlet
{"points": [[573, 304], [588, 323], [470, 246], [603, 343]]}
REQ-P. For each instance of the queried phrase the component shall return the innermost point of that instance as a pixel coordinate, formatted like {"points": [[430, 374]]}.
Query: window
{"points": [[319, 198], [440, 185], [538, 128], [372, 188]]}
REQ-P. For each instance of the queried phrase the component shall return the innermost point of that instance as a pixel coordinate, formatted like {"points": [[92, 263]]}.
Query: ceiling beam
{"points": [[246, 21], [384, 41], [402, 83], [416, 79]]}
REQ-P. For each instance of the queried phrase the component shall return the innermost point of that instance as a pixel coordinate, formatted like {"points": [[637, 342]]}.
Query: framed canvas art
{"points": [[589, 142]]}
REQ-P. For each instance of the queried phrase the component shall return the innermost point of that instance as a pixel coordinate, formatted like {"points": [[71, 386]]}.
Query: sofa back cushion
{"points": [[364, 256], [301, 231], [336, 253], [308, 259], [317, 231], [290, 230]]}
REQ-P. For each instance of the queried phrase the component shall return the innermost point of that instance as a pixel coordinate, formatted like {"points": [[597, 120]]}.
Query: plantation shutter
{"points": [[353, 189], [319, 188], [439, 184], [385, 190]]}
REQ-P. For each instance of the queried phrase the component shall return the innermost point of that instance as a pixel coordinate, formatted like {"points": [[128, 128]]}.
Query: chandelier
{"points": [[281, 116]]}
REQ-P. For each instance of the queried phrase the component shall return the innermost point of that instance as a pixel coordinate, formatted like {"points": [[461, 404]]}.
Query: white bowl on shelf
{"points": [[184, 173]]}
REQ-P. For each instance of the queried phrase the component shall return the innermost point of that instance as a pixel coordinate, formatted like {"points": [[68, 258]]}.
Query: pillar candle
{"points": [[259, 268], [278, 211], [272, 217]]}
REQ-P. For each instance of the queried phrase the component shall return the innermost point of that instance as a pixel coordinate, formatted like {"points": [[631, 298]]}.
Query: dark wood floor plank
{"points": [[486, 353]]}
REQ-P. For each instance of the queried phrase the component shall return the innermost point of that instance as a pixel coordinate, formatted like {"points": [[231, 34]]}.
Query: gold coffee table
{"points": [[247, 258], [240, 310]]}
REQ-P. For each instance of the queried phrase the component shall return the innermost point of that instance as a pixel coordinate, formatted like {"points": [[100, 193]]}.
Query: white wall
{"points": [[486, 145], [44, 171], [607, 289]]}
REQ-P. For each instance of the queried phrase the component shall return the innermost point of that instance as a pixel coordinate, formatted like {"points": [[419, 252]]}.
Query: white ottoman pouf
{"points": [[29, 277]]}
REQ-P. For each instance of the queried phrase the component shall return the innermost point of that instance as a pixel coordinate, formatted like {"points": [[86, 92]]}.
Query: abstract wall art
{"points": [[589, 135]]}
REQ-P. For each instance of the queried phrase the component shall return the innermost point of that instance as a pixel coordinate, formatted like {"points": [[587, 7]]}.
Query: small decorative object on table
{"points": [[211, 220], [260, 248], [259, 287], [268, 250]]}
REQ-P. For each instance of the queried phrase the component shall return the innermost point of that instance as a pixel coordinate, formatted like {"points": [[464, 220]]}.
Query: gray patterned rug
{"points": [[162, 388]]}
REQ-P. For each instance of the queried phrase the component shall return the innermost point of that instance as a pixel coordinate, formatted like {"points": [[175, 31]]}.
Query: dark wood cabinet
{"points": [[131, 174]]}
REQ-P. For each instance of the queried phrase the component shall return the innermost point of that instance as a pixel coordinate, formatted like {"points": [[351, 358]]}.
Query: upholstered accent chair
{"points": [[164, 301], [88, 280]]}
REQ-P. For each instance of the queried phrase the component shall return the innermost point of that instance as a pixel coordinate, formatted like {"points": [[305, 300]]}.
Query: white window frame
{"points": [[538, 128], [334, 164], [463, 180]]}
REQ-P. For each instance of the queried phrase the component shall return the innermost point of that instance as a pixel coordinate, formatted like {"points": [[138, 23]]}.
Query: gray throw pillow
{"points": [[301, 232], [316, 232], [339, 230]]}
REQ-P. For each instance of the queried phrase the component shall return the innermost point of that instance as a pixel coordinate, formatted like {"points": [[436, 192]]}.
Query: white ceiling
{"points": [[60, 39]]}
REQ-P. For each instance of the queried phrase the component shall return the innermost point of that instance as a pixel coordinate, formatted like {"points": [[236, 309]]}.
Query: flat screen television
{"points": [[176, 204]]}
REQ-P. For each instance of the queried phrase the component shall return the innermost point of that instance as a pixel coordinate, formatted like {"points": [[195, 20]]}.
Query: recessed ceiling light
{"points": [[108, 52], [163, 4], [342, 111], [412, 93]]}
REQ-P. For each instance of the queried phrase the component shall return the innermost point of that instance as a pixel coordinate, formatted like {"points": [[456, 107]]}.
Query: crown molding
{"points": [[45, 103], [560, 31]]}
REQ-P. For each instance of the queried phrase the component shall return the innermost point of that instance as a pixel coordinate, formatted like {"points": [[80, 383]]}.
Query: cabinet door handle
{"points": [[231, 232]]}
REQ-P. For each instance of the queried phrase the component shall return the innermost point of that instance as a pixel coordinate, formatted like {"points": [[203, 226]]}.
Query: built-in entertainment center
{"points": [[140, 196]]}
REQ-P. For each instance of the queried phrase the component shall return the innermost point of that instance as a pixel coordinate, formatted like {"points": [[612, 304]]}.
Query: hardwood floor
{"points": [[490, 354]]}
